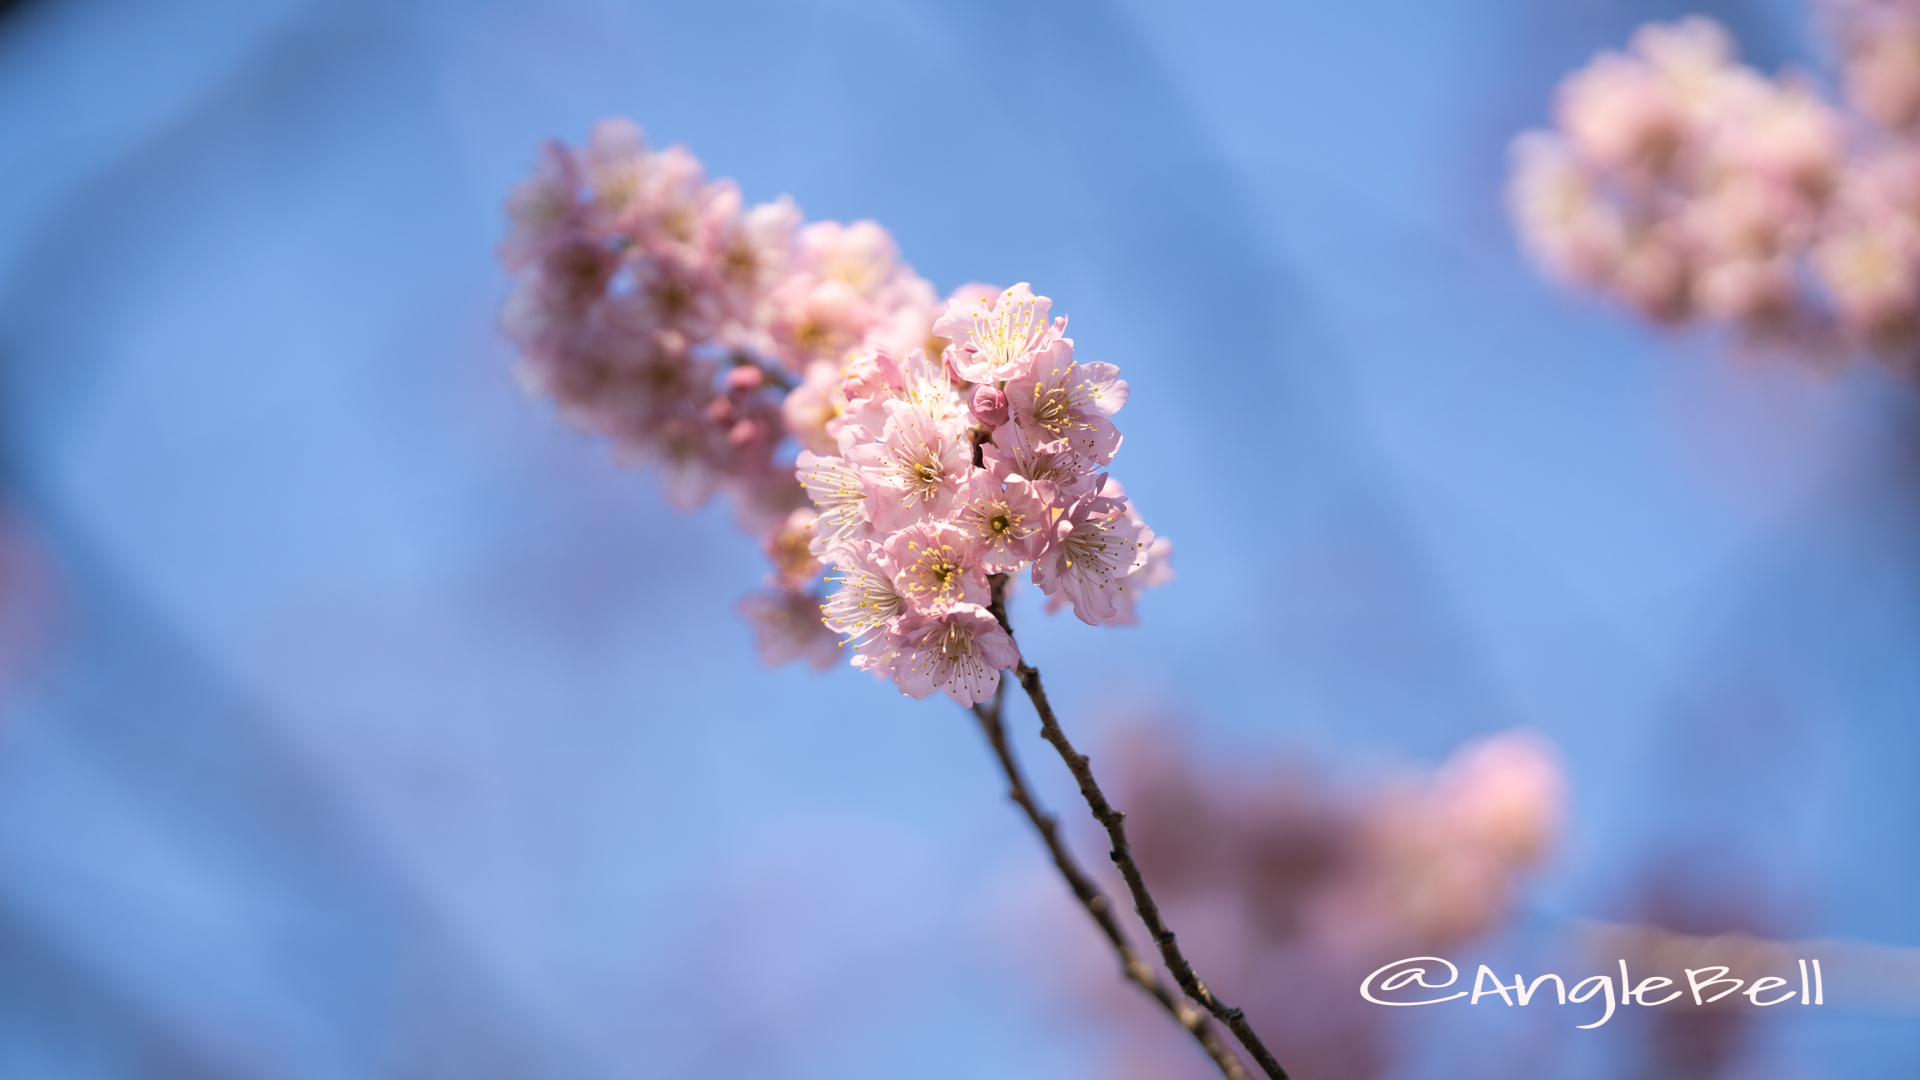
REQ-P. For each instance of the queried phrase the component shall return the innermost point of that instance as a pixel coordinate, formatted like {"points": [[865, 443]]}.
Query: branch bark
{"points": [[1132, 966], [1114, 822]]}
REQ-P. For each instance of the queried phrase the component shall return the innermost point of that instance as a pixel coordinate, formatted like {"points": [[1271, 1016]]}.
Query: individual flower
{"points": [[674, 293], [917, 468], [924, 383], [1872, 272], [842, 495], [960, 651], [1620, 114], [669, 212], [988, 404], [864, 599], [1056, 472], [1062, 399], [996, 337], [690, 453], [1095, 550], [935, 567], [1003, 521]]}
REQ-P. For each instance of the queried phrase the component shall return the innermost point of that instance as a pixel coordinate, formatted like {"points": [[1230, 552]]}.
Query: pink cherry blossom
{"points": [[916, 469], [544, 209], [788, 546], [1004, 521], [818, 319], [805, 372], [937, 567], [995, 337], [1058, 474], [988, 405], [1060, 398], [843, 496], [1880, 53], [786, 626], [1096, 548], [864, 599], [961, 651], [1692, 188], [812, 407]]}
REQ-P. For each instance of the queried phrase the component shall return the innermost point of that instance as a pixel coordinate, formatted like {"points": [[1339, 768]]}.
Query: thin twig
{"points": [[1132, 966], [1114, 822]]}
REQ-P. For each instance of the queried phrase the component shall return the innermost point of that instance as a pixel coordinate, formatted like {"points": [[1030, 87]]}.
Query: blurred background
{"points": [[360, 719]]}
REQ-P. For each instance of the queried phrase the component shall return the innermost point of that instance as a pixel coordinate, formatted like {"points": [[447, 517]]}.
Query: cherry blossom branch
{"points": [[1114, 822], [1132, 966]]}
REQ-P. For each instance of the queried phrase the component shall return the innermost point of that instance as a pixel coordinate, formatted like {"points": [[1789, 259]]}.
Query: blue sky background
{"points": [[384, 727]]}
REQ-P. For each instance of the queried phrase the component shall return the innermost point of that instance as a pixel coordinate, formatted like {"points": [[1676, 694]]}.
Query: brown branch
{"points": [[1132, 966], [1114, 822]]}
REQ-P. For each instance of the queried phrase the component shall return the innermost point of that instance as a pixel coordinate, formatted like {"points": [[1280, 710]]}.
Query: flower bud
{"points": [[989, 405]]}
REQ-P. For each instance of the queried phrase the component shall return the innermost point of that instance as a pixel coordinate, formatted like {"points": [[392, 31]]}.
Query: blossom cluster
{"points": [[984, 455], [1691, 187], [1283, 884], [940, 442]]}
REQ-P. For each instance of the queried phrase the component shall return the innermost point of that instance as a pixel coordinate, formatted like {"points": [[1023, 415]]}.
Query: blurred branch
{"points": [[1094, 900]]}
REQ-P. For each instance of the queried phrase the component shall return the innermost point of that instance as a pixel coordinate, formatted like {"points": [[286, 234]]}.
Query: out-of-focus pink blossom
{"points": [[789, 548], [786, 626], [1690, 187], [1283, 882], [1505, 795], [814, 405], [1880, 52]]}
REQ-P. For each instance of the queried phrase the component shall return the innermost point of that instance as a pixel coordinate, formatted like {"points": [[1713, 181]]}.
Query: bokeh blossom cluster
{"points": [[740, 349], [1292, 891], [1691, 187]]}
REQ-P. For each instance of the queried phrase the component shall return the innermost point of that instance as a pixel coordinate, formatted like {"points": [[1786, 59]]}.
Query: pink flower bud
{"points": [[745, 378], [989, 405], [744, 432]]}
